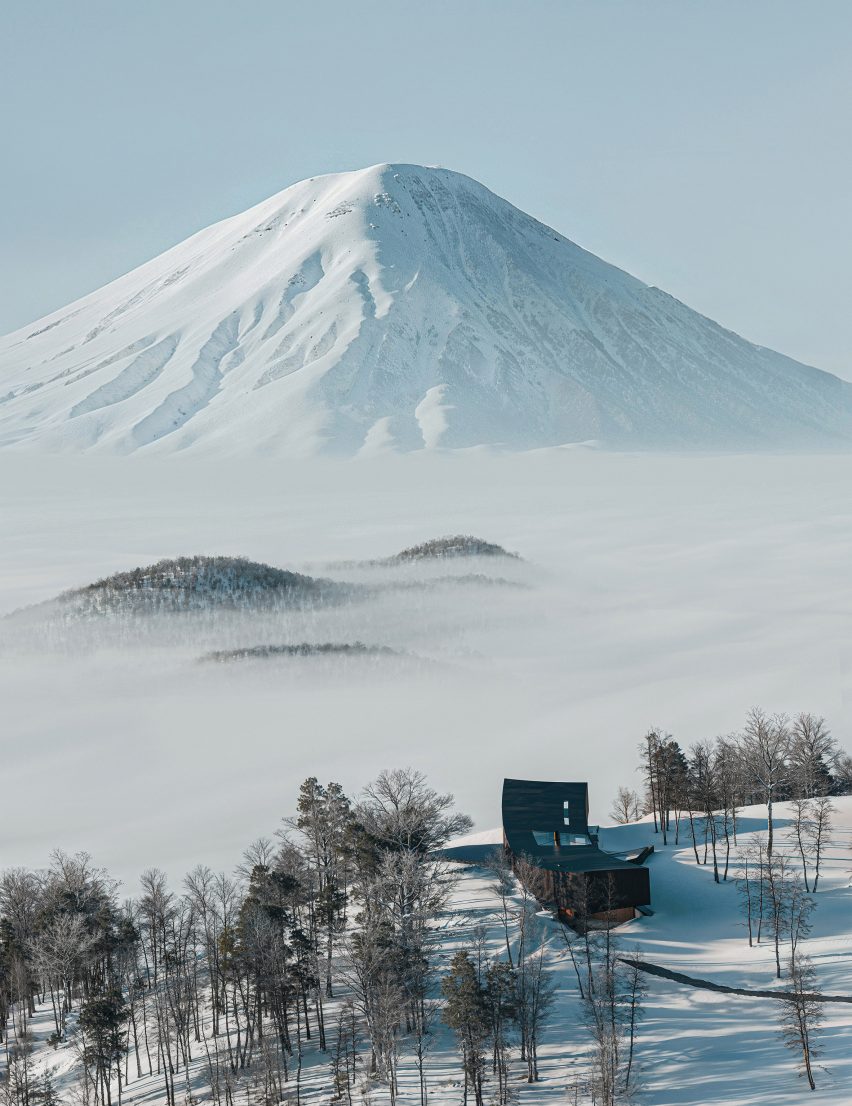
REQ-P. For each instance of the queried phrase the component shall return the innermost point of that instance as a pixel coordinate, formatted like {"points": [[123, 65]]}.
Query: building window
{"points": [[552, 839]]}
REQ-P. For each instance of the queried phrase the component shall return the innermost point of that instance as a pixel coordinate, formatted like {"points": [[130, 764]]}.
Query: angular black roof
{"points": [[541, 805], [545, 806]]}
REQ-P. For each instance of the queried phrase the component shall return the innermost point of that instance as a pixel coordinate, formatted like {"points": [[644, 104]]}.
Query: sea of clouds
{"points": [[656, 590]]}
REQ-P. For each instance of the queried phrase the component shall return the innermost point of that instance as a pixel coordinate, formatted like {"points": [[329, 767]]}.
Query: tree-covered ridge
{"points": [[224, 575], [455, 545], [303, 649], [200, 583]]}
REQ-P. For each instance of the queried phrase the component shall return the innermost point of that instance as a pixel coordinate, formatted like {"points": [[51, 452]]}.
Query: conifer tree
{"points": [[466, 1013]]}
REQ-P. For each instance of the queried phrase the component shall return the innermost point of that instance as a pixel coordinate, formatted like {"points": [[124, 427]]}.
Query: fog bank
{"points": [[657, 590]]}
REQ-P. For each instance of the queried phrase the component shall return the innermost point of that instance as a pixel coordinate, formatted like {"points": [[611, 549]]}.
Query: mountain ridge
{"points": [[396, 308]]}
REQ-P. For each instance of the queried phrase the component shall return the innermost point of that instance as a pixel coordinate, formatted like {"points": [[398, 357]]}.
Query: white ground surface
{"points": [[676, 591], [695, 1048]]}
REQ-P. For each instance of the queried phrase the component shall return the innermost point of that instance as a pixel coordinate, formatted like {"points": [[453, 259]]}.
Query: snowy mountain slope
{"points": [[396, 307]]}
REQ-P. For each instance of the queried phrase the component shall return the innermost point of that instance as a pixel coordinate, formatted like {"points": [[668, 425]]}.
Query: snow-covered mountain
{"points": [[396, 307]]}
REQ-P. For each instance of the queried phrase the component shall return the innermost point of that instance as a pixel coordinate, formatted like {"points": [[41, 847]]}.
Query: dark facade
{"points": [[546, 824]]}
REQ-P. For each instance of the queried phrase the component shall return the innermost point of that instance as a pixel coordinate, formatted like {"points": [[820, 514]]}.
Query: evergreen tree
{"points": [[102, 1021], [466, 1012]]}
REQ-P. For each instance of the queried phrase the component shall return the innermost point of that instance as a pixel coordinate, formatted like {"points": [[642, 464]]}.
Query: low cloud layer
{"points": [[654, 590]]}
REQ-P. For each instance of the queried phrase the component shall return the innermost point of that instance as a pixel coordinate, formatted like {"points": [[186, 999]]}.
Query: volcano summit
{"points": [[397, 307]]}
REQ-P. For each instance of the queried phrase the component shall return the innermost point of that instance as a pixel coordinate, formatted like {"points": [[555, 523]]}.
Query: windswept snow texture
{"points": [[396, 308]]}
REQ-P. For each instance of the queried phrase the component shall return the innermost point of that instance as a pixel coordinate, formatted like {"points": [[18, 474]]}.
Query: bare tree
{"points": [[625, 807], [799, 906], [800, 1015], [635, 992], [400, 886], [20, 1085], [604, 1016], [60, 950], [750, 885], [572, 936], [226, 977], [820, 833], [780, 887], [503, 886], [20, 901], [730, 772], [813, 752], [799, 830], [841, 780], [766, 751], [535, 993], [647, 751], [400, 810]]}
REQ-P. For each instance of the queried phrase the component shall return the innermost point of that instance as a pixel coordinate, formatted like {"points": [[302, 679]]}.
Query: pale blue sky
{"points": [[702, 144]]}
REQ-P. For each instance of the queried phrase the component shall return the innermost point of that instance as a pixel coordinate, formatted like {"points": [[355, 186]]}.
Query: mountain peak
{"points": [[396, 307]]}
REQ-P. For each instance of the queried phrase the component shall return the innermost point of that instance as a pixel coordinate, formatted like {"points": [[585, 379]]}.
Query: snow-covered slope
{"points": [[396, 307], [693, 1047]]}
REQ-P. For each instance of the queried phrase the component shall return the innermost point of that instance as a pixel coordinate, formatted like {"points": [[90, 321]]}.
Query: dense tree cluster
{"points": [[199, 583], [773, 759], [320, 949], [457, 545], [302, 649], [701, 791]]}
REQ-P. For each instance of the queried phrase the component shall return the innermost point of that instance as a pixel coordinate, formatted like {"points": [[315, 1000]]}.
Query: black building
{"points": [[546, 826]]}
